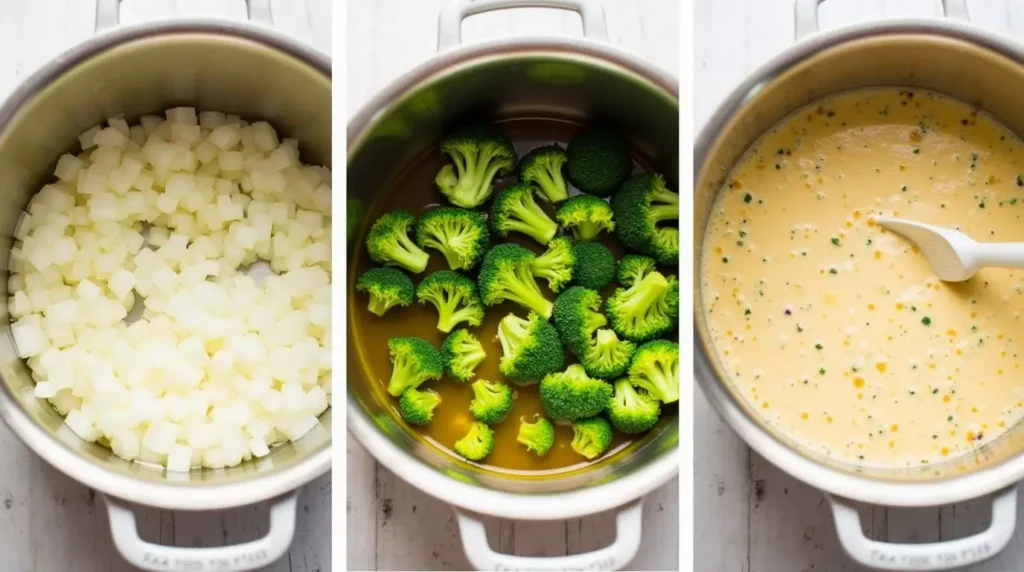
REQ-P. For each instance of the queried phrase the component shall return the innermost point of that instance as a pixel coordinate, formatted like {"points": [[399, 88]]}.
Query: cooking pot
{"points": [[948, 56], [555, 78], [238, 68]]}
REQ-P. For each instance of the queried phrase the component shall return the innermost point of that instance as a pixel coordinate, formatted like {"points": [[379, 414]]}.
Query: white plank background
{"points": [[750, 516], [48, 522], [391, 525]]}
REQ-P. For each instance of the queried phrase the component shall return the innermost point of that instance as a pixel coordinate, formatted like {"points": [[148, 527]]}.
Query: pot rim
{"points": [[163, 495], [476, 498], [860, 488]]}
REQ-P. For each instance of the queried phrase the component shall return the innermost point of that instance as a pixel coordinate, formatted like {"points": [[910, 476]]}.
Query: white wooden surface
{"points": [[751, 517], [48, 522], [391, 525]]}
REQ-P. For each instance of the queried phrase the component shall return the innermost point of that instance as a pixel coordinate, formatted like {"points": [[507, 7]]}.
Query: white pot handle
{"points": [[613, 557], [449, 23], [806, 12], [235, 558], [108, 13], [944, 555]]}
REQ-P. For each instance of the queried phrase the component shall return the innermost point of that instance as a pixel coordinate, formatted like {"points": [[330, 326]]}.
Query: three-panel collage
{"points": [[535, 199]]}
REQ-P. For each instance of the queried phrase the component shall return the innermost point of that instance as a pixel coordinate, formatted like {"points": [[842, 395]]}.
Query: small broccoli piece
{"points": [[598, 162], [478, 155], [413, 362], [388, 242], [530, 348], [461, 353], [641, 204], [645, 310], [506, 275], [538, 436], [455, 298], [633, 268], [515, 210], [459, 234], [491, 401], [387, 287], [477, 443], [543, 167], [632, 411], [586, 217], [591, 437], [577, 317], [607, 356], [572, 394], [655, 369], [556, 265], [417, 407], [595, 265]]}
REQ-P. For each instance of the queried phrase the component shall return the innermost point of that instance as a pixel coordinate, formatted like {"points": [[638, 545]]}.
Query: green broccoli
{"points": [[556, 265], [461, 353], [576, 315], [591, 437], [491, 401], [477, 443], [459, 234], [515, 210], [388, 242], [455, 298], [387, 287], [632, 411], [417, 407], [414, 361], [506, 275], [586, 217], [639, 207], [538, 436], [633, 268], [647, 309], [543, 167], [598, 162], [572, 394], [530, 348], [607, 357], [655, 369], [478, 154], [595, 265]]}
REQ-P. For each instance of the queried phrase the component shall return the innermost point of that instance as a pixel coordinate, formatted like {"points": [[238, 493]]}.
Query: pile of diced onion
{"points": [[163, 220]]}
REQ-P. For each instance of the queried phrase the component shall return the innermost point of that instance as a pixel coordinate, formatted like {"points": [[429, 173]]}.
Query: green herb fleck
{"points": [[833, 271], [821, 371], [747, 198], [926, 321], [818, 346], [835, 240]]}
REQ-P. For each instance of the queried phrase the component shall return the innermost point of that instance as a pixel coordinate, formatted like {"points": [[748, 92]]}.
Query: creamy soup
{"points": [[836, 330]]}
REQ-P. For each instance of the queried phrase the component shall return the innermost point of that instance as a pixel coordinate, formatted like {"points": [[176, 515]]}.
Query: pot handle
{"points": [[235, 558], [108, 13], [616, 556], [449, 23], [944, 555], [806, 11]]}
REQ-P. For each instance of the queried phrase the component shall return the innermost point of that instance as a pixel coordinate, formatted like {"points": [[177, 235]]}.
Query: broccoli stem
{"points": [[537, 227], [664, 212], [527, 293], [646, 293], [586, 231], [401, 376], [552, 186], [378, 305], [409, 255], [661, 380], [511, 334]]}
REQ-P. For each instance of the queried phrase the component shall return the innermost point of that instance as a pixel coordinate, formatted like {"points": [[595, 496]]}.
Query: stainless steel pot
{"points": [[562, 78], [240, 68], [947, 56]]}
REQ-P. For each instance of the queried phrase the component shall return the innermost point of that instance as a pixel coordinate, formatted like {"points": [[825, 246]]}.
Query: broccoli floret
{"points": [[572, 394], [607, 356], [461, 353], [632, 411], [556, 265], [633, 268], [538, 436], [514, 210], [455, 298], [478, 442], [591, 437], [655, 369], [639, 207], [459, 234], [543, 167], [491, 401], [577, 317], [645, 310], [413, 362], [506, 275], [478, 155], [530, 348], [417, 407], [388, 242], [598, 162], [595, 265], [586, 217], [387, 287]]}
